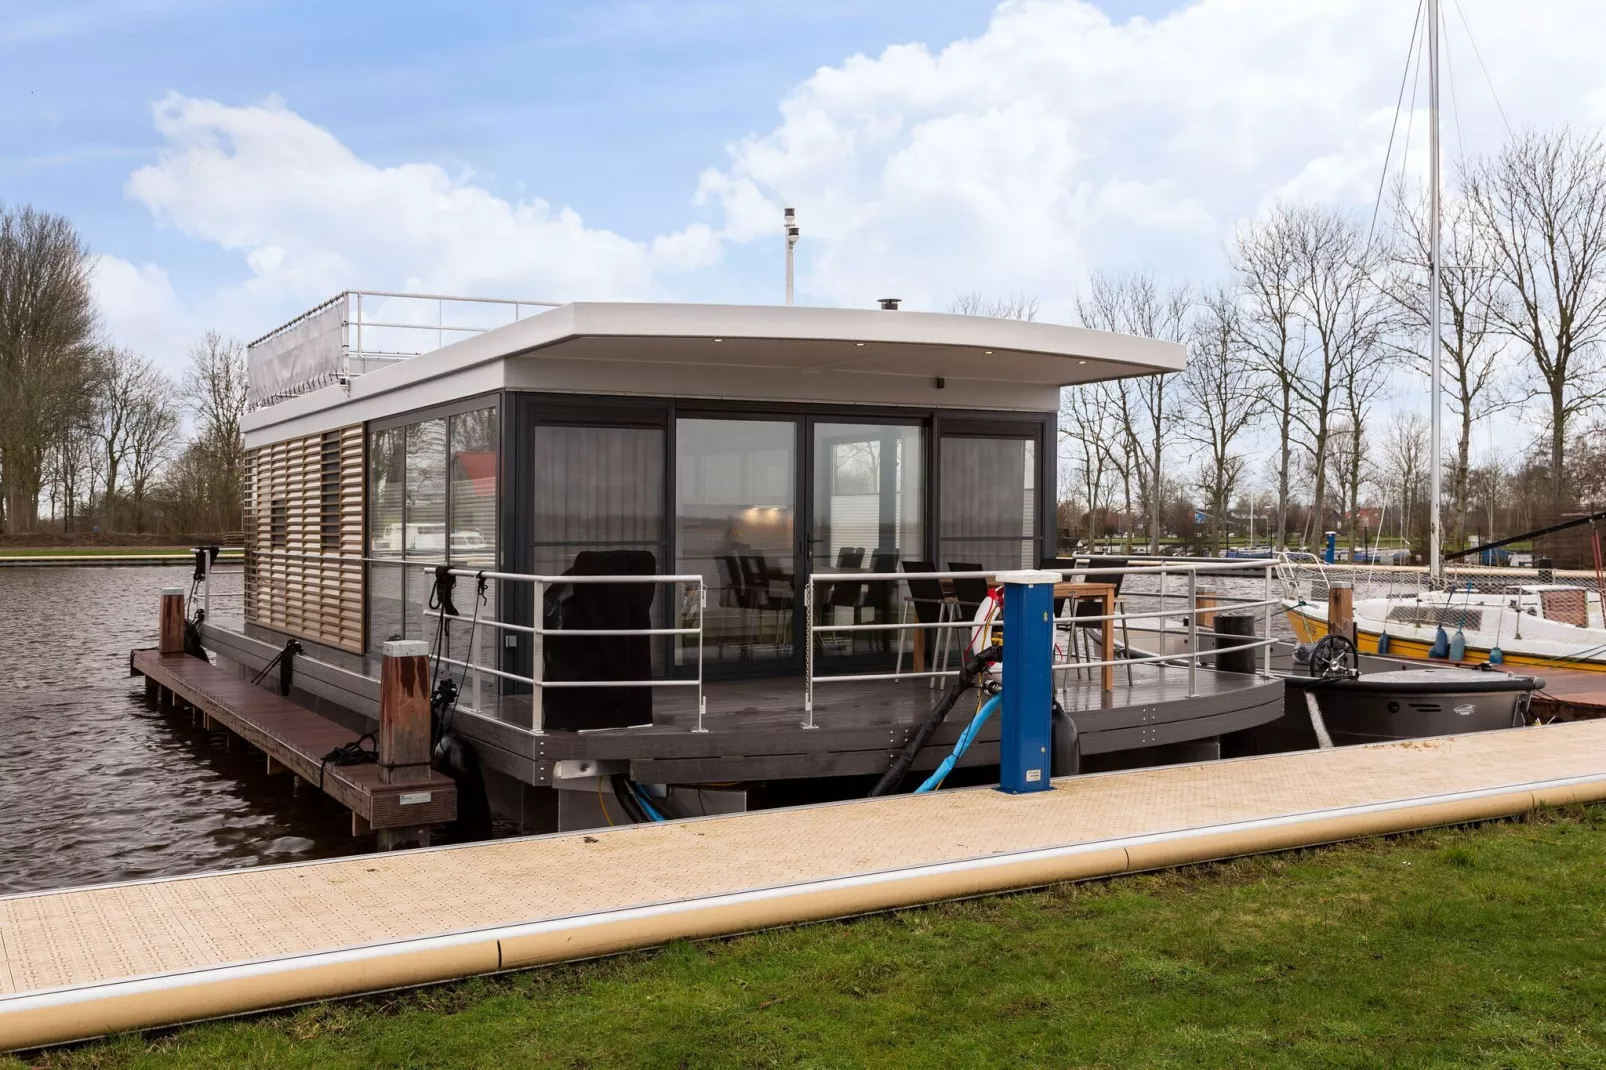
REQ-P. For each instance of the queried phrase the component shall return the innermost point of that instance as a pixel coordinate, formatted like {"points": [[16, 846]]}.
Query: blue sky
{"points": [[609, 107], [234, 163]]}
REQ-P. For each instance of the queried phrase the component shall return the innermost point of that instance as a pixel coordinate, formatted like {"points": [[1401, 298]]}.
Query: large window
{"points": [[989, 503], [735, 514], [432, 494], [597, 488], [472, 481], [868, 505], [386, 467]]}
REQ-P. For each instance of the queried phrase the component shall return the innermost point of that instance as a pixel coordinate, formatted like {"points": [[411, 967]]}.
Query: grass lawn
{"points": [[1464, 947]]}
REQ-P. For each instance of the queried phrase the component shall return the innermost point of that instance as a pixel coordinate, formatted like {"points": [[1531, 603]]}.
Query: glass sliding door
{"points": [[988, 503], [868, 516], [597, 488], [736, 524]]}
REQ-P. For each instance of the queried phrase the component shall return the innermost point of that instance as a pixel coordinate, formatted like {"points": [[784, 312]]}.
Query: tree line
{"points": [[1319, 319], [93, 435]]}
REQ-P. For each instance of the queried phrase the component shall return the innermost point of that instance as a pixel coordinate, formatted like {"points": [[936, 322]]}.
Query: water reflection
{"points": [[98, 786]]}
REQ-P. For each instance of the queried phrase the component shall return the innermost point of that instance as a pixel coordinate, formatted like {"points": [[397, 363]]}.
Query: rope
{"points": [[353, 753], [444, 691]]}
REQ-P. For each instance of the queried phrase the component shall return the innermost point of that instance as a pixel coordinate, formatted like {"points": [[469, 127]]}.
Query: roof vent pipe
{"points": [[789, 224], [889, 304]]}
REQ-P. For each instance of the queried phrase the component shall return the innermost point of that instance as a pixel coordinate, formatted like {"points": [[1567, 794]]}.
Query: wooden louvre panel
{"points": [[303, 523]]}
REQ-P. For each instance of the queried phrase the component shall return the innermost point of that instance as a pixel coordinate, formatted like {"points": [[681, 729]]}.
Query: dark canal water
{"points": [[95, 784]]}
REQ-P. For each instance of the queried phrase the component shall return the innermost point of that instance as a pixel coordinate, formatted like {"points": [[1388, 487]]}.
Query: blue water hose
{"points": [[966, 738], [646, 804]]}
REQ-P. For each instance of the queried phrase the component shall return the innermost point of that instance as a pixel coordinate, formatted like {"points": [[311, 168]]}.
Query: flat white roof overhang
{"points": [[825, 355]]}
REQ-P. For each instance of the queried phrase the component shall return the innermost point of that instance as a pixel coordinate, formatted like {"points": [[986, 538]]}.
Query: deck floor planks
{"points": [[84, 936], [297, 739]]}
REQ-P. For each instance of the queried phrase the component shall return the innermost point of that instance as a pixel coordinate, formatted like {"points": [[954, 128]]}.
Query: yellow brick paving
{"points": [[74, 937]]}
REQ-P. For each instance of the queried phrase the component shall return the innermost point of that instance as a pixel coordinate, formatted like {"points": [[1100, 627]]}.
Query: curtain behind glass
{"points": [[988, 503], [597, 488]]}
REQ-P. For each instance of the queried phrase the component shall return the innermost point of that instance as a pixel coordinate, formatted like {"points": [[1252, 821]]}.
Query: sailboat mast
{"points": [[1436, 357]]}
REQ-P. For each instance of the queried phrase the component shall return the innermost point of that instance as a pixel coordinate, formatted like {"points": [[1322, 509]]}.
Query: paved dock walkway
{"points": [[225, 942]]}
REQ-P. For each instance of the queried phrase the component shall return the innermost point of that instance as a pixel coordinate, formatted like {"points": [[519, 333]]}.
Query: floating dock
{"points": [[84, 962]]}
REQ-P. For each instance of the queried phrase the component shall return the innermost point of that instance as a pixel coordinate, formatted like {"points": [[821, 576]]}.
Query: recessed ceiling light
{"points": [[719, 339], [1081, 362], [987, 352], [858, 343]]}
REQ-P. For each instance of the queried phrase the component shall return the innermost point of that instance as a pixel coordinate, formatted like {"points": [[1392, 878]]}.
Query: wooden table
{"points": [[1104, 592]]}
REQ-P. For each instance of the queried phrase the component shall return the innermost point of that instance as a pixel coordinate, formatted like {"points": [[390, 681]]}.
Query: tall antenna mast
{"points": [[1435, 354], [789, 224]]}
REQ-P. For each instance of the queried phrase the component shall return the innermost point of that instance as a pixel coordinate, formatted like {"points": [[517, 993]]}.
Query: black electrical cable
{"points": [[627, 798], [291, 648], [972, 669]]}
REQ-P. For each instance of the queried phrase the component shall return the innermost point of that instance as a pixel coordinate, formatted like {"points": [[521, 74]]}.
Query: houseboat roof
{"points": [[785, 353]]}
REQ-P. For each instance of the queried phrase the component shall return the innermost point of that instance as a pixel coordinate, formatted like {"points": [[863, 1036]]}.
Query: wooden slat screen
{"points": [[304, 496]]}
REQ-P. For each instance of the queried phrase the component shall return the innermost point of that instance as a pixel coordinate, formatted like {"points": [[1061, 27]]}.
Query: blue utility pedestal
{"points": [[1027, 726]]}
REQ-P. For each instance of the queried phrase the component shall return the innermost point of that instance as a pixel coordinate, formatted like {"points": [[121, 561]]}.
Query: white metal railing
{"points": [[327, 344], [474, 666], [1188, 569]]}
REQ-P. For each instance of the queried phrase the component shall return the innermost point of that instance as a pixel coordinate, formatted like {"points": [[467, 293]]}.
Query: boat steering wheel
{"points": [[1333, 655]]}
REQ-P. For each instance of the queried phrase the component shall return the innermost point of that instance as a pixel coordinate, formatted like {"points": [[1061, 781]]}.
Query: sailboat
{"points": [[1493, 619]]}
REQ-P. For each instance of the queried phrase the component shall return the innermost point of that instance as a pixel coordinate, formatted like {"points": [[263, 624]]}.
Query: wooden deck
{"points": [[295, 740], [1569, 694], [77, 963], [753, 728]]}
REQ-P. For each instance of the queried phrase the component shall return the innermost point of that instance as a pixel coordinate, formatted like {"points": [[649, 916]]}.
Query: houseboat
{"points": [[754, 523]]}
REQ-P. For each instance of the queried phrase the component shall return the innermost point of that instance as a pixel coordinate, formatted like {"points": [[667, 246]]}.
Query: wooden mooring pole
{"points": [[1341, 610], [170, 631], [404, 729]]}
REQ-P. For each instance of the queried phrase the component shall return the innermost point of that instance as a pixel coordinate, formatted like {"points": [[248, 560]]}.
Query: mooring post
{"points": [[404, 712], [1340, 609], [170, 633], [1026, 731]]}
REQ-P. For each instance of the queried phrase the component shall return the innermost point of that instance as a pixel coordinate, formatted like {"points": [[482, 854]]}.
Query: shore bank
{"points": [[1467, 947]]}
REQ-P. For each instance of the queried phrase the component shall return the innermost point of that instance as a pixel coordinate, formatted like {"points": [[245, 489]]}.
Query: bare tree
{"points": [[1263, 258], [1541, 204], [215, 386], [1470, 337], [47, 328], [124, 385], [1015, 307], [1344, 317], [1134, 304], [152, 437], [1222, 397], [1406, 460], [1086, 433]]}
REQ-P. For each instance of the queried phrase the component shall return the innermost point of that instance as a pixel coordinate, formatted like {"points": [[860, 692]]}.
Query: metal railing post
{"points": [[206, 580], [1193, 632], [702, 608], [1160, 616], [537, 656], [1265, 651], [808, 652]]}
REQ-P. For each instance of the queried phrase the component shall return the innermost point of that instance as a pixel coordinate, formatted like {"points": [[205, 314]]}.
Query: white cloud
{"points": [[1055, 142], [139, 309], [310, 218], [1058, 141]]}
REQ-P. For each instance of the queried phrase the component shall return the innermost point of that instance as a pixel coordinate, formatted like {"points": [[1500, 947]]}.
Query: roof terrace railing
{"points": [[359, 331]]}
